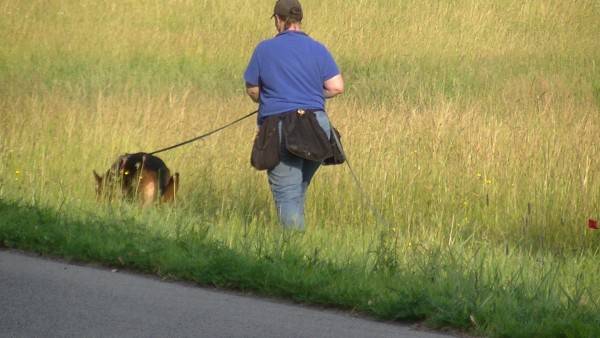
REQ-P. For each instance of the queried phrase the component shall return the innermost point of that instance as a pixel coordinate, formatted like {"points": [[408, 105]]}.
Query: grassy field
{"points": [[472, 125]]}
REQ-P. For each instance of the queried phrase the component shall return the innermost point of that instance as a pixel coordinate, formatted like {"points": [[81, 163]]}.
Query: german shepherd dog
{"points": [[140, 175]]}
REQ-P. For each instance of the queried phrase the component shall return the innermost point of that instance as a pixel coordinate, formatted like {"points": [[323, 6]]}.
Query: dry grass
{"points": [[471, 124]]}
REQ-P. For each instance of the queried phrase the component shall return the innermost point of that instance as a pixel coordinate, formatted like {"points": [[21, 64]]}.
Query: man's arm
{"points": [[333, 86], [253, 92]]}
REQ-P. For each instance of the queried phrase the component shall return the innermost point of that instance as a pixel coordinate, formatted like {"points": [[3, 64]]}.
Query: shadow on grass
{"points": [[192, 257]]}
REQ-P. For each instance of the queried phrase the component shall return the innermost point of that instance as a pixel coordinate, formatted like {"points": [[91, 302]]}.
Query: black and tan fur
{"points": [[138, 175]]}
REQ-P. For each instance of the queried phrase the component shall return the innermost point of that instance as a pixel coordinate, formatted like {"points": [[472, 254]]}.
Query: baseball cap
{"points": [[288, 9]]}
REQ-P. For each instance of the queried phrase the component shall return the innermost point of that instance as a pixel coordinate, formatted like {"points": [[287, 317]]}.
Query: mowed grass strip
{"points": [[445, 286]]}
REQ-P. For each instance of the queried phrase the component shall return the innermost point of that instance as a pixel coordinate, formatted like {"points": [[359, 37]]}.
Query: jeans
{"points": [[290, 179]]}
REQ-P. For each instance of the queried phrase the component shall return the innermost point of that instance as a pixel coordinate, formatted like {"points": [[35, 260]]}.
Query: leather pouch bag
{"points": [[339, 156], [265, 151], [304, 137]]}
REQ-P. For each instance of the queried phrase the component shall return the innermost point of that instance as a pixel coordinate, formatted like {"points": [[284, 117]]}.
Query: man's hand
{"points": [[253, 92]]}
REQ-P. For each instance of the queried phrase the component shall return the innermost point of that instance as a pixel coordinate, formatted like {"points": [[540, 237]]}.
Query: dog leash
{"points": [[366, 199], [204, 135]]}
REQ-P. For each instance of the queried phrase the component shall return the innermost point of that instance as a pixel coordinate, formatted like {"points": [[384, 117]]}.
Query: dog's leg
{"points": [[149, 194], [176, 185], [141, 172], [148, 188], [170, 193]]}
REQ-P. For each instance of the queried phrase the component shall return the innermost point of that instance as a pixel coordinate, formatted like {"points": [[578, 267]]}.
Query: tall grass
{"points": [[472, 125]]}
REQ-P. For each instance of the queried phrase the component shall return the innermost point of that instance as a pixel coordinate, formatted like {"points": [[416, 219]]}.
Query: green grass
{"points": [[468, 286], [472, 126]]}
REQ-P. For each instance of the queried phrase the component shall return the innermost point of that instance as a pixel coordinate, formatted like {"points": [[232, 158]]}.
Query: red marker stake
{"points": [[593, 224]]}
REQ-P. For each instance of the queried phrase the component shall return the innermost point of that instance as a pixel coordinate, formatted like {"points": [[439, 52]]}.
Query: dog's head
{"points": [[105, 185], [113, 178]]}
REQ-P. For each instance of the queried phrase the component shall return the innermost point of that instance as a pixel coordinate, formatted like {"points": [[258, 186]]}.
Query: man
{"points": [[287, 73]]}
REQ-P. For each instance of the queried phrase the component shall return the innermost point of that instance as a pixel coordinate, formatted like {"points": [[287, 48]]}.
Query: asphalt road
{"points": [[44, 298]]}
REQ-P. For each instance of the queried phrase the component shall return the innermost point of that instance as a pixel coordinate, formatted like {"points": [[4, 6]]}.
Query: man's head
{"points": [[287, 13]]}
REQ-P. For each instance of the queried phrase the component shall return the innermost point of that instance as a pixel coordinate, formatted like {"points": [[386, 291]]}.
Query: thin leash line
{"points": [[204, 135], [364, 196]]}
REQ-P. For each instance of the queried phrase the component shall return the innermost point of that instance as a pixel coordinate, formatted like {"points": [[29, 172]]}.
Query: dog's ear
{"points": [[98, 178]]}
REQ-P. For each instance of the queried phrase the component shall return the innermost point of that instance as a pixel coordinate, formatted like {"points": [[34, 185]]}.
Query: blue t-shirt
{"points": [[290, 70]]}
